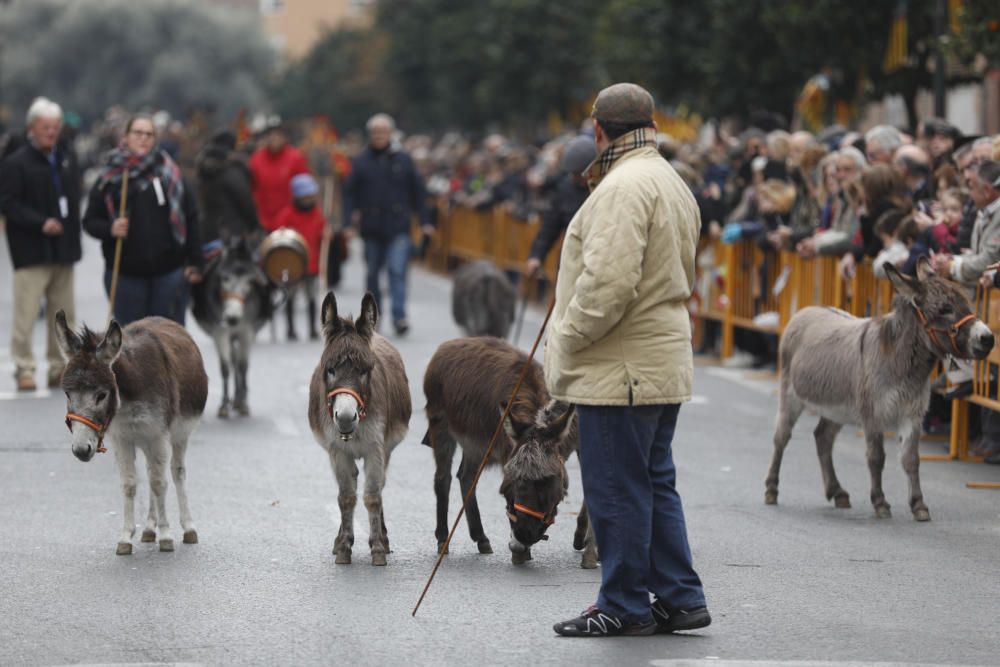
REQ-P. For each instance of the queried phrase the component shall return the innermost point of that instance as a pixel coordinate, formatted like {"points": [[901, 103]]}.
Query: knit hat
{"points": [[624, 103], [304, 185], [578, 154]]}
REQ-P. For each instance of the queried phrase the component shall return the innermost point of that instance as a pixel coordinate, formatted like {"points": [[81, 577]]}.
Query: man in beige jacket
{"points": [[619, 349]]}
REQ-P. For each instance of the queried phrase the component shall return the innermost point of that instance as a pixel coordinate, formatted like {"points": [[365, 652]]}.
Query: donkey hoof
{"points": [[771, 498], [223, 412], [242, 409], [123, 549], [149, 536], [343, 557], [588, 562], [442, 548], [378, 558], [922, 514], [578, 542], [190, 537], [843, 502], [519, 557], [485, 547], [883, 512], [167, 544]]}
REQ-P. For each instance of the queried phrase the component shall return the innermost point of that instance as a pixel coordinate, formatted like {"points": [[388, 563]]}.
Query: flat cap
{"points": [[624, 103], [578, 154]]}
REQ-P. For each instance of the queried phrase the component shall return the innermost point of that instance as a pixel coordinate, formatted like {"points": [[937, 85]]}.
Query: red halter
{"points": [[951, 331], [350, 392], [101, 429]]}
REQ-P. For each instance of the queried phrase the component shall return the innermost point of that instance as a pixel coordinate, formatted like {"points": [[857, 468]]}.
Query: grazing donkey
{"points": [[231, 305], [875, 371], [359, 408], [144, 388], [483, 300], [467, 384]]}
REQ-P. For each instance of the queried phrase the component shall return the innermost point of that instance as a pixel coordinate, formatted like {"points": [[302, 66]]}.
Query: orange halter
{"points": [[534, 514], [99, 428], [362, 413], [952, 332]]}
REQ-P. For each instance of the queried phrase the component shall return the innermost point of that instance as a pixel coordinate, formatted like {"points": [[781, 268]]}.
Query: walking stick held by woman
{"points": [[118, 248], [486, 457]]}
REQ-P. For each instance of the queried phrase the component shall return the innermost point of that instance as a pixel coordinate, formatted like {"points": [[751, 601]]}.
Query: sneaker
{"points": [[679, 620], [402, 326], [595, 623], [26, 382]]}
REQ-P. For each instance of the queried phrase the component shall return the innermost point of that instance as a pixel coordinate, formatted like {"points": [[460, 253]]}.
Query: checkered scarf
{"points": [[644, 136]]}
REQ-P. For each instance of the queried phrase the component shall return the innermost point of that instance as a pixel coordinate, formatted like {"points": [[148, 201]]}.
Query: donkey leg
{"points": [[825, 433], [444, 453], [241, 360], [157, 453], [178, 471], [125, 456], [876, 462], [789, 410], [149, 530], [590, 556], [582, 522], [224, 347], [346, 472], [374, 482], [466, 473], [909, 456]]}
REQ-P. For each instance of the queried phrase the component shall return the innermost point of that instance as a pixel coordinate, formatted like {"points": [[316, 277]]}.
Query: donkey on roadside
{"points": [[143, 387], [483, 300], [231, 305], [875, 371], [467, 384], [359, 408]]}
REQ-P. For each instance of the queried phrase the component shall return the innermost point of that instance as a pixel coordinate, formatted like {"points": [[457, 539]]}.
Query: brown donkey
{"points": [[874, 372], [143, 388], [467, 384], [359, 408]]}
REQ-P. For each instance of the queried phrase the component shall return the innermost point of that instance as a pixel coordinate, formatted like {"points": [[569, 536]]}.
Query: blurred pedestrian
{"points": [[382, 192], [40, 197], [273, 165], [225, 192], [619, 349], [304, 216], [161, 244]]}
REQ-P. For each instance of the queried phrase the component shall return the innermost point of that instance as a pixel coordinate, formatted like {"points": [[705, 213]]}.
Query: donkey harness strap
{"points": [[99, 428], [535, 514], [236, 296], [362, 413], [951, 331]]}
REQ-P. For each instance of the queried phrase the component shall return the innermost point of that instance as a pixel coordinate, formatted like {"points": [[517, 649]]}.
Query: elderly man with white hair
{"points": [[40, 197], [382, 192], [881, 143]]}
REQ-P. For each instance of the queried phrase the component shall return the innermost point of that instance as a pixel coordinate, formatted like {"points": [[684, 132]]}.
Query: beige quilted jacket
{"points": [[620, 332]]}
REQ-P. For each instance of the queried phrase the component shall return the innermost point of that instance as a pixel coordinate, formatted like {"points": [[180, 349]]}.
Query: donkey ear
{"points": [[559, 425], [508, 423], [905, 286], [69, 342], [924, 268], [365, 324], [111, 346], [328, 315]]}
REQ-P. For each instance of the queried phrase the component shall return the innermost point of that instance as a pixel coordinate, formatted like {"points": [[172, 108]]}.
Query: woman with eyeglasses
{"points": [[161, 250]]}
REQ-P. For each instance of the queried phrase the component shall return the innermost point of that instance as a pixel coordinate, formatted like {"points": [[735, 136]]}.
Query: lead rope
{"points": [[486, 457]]}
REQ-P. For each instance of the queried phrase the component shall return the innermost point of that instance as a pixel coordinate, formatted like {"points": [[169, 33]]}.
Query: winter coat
{"points": [[151, 248], [29, 195], [839, 238], [308, 223], [272, 181], [620, 333], [565, 201], [225, 195], [985, 247], [386, 188]]}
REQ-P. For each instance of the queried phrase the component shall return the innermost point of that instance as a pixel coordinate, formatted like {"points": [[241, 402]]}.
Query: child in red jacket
{"points": [[303, 215]]}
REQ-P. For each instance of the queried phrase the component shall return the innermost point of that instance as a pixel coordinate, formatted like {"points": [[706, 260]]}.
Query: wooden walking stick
{"points": [[486, 457], [118, 248]]}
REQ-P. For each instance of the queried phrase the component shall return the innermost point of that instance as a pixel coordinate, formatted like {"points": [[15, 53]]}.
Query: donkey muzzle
{"points": [[84, 451], [981, 340]]}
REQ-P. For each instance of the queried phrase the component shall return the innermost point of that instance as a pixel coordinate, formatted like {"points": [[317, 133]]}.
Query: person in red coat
{"points": [[303, 215], [272, 166]]}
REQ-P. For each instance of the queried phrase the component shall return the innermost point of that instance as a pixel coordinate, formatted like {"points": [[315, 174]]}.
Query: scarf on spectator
{"points": [[152, 165], [644, 136]]}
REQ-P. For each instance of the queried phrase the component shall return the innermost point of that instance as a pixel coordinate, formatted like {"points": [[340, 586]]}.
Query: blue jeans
{"points": [[629, 484], [138, 296], [396, 253]]}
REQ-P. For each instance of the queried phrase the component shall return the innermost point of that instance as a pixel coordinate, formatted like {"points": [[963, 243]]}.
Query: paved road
{"points": [[798, 582]]}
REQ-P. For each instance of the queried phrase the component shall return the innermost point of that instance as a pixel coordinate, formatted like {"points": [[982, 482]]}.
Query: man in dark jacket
{"points": [[225, 192], [567, 196], [40, 197], [381, 193]]}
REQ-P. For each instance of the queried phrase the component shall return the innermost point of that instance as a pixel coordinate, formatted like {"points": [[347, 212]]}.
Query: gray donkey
{"points": [[874, 372], [145, 388], [359, 408], [483, 300], [467, 384]]}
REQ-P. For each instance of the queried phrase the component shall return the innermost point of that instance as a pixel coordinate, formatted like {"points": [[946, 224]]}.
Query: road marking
{"points": [[699, 400], [17, 395]]}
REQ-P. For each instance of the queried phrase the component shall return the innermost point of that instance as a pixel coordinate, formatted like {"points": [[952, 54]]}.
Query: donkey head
{"points": [[534, 477], [239, 277], [89, 383], [944, 312], [347, 362]]}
